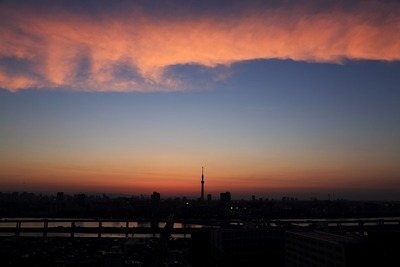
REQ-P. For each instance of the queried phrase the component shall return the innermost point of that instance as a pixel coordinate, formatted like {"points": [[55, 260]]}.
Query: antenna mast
{"points": [[202, 184]]}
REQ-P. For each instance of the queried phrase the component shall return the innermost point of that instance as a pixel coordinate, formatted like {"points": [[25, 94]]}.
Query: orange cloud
{"points": [[131, 51]]}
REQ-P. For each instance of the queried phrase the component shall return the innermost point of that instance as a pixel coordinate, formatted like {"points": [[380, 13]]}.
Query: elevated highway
{"points": [[100, 227]]}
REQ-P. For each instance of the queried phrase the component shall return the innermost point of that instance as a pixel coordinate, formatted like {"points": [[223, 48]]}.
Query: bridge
{"points": [[94, 226], [98, 227]]}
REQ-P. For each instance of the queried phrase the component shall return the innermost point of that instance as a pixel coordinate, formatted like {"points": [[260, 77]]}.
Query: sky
{"points": [[272, 98]]}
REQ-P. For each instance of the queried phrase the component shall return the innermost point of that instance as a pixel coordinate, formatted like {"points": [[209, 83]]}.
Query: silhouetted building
{"points": [[317, 248], [60, 196], [155, 199], [225, 203], [80, 199], [225, 199], [209, 197], [155, 208], [200, 250], [383, 247], [248, 247]]}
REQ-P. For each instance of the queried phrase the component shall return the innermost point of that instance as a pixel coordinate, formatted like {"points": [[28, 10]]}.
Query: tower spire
{"points": [[202, 184]]}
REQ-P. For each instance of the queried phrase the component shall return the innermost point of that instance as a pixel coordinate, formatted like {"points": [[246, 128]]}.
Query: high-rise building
{"points": [[315, 248]]}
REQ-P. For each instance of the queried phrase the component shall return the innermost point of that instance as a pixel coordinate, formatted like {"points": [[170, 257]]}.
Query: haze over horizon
{"points": [[273, 98]]}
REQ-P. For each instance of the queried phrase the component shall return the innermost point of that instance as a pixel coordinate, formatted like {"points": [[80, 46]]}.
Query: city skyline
{"points": [[273, 98]]}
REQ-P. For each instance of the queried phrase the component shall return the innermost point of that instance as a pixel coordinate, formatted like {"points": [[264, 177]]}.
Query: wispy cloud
{"points": [[129, 47]]}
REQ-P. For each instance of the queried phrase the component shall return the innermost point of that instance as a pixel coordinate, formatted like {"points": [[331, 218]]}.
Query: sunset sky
{"points": [[273, 98]]}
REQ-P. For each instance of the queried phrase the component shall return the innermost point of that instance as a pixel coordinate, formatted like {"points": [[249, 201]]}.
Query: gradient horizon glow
{"points": [[273, 98]]}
